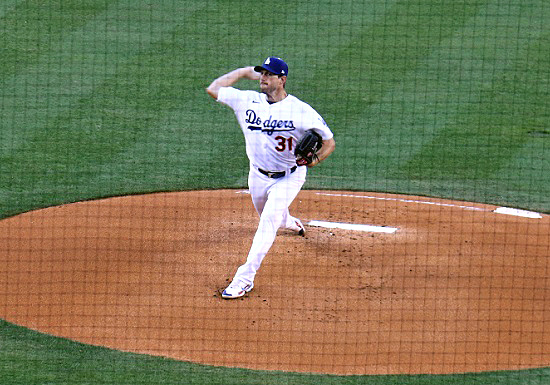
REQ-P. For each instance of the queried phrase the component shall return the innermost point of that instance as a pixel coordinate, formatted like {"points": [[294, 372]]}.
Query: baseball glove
{"points": [[307, 147]]}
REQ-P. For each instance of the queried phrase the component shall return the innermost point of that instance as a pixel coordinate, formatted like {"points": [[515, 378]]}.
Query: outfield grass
{"points": [[447, 98]]}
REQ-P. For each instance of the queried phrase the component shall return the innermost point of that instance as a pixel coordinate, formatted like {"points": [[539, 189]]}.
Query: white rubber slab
{"points": [[354, 226]]}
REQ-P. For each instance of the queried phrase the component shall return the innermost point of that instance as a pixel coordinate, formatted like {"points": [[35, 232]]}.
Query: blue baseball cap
{"points": [[274, 65]]}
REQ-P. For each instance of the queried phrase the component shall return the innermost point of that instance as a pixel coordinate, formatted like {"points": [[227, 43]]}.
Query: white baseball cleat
{"points": [[237, 290], [299, 227]]}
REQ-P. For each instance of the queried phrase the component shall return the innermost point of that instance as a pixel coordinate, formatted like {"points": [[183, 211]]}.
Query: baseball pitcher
{"points": [[284, 136]]}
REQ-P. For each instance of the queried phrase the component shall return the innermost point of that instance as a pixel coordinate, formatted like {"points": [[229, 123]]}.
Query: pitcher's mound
{"points": [[456, 288]]}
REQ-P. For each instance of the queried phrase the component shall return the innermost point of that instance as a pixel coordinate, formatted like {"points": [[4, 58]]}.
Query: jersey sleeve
{"points": [[320, 126], [231, 97]]}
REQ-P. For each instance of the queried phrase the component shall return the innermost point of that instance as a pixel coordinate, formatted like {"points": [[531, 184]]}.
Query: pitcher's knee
{"points": [[273, 220]]}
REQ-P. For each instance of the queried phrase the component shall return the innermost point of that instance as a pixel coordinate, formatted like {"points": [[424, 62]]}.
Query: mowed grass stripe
{"points": [[73, 145], [33, 27], [383, 54], [74, 65], [504, 102]]}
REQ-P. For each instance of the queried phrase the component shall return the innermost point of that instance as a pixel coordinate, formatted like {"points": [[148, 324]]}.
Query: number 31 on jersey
{"points": [[284, 143]]}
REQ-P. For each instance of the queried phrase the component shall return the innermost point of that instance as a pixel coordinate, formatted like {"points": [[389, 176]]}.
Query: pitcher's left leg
{"points": [[279, 198]]}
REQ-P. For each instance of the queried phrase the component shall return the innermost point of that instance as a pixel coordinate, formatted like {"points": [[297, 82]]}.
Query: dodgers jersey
{"points": [[271, 131]]}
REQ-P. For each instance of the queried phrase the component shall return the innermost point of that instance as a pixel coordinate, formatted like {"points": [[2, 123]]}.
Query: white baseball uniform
{"points": [[271, 132]]}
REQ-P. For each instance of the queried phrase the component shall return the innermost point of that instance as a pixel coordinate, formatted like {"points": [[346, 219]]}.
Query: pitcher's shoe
{"points": [[237, 290], [299, 227]]}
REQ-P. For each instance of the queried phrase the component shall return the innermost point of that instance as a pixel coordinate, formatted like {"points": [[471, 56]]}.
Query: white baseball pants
{"points": [[271, 198]]}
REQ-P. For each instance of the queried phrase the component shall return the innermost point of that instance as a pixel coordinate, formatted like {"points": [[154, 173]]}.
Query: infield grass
{"points": [[99, 98]]}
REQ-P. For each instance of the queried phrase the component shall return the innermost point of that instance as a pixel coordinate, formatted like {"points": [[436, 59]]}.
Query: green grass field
{"points": [[447, 98]]}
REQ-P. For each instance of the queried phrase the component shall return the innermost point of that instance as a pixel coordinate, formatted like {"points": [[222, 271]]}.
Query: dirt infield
{"points": [[457, 288]]}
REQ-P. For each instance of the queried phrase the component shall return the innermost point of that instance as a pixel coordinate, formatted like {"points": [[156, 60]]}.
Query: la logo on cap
{"points": [[273, 64]]}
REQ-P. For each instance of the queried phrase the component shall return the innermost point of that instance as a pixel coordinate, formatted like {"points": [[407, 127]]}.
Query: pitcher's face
{"points": [[269, 82]]}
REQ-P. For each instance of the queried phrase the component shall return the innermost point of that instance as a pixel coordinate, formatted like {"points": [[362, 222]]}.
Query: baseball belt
{"points": [[276, 174]]}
